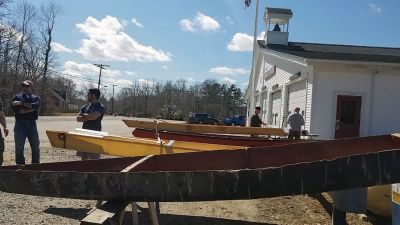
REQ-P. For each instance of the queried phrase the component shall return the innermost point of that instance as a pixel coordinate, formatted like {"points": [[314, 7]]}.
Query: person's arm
{"points": [[98, 111], [92, 116], [81, 114], [3, 123], [16, 104], [35, 104]]}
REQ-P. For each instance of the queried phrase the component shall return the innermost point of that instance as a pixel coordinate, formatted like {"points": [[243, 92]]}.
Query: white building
{"points": [[342, 90]]}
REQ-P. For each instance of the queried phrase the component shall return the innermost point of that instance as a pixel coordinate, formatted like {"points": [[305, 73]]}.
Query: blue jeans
{"points": [[26, 129]]}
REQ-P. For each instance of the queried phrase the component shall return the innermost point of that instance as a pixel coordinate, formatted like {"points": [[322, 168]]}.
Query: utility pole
{"points": [[101, 66], [112, 100]]}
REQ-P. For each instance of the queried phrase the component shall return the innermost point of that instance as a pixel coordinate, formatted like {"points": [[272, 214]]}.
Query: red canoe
{"points": [[237, 140]]}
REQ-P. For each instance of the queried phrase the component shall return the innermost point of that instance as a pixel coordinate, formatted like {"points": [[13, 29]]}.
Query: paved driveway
{"points": [[111, 124]]}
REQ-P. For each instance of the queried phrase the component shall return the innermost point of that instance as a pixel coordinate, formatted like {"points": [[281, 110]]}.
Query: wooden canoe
{"points": [[199, 128], [103, 143], [221, 139], [261, 172]]}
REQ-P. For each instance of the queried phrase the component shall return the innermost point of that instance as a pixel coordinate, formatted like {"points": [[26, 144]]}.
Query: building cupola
{"points": [[277, 25]]}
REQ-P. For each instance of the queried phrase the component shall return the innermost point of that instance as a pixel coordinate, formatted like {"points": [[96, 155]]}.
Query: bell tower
{"points": [[277, 25]]}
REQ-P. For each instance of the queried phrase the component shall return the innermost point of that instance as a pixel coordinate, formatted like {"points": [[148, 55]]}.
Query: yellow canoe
{"points": [[199, 128], [103, 143], [379, 200]]}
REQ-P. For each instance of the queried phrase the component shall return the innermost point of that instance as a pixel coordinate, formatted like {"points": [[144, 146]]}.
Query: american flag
{"points": [[247, 3]]}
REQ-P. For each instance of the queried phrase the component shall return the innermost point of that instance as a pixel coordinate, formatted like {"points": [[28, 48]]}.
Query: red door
{"points": [[348, 116]]}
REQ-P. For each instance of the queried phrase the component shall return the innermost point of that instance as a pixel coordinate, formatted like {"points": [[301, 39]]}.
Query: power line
{"points": [[102, 67]]}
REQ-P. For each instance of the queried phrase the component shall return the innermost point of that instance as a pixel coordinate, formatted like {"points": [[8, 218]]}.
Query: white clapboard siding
{"points": [[297, 97], [276, 108]]}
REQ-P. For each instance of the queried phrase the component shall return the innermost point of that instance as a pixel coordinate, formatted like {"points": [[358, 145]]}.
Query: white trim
{"points": [[284, 56], [330, 61]]}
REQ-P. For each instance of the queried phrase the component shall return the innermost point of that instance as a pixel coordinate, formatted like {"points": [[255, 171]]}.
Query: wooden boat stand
{"points": [[112, 212]]}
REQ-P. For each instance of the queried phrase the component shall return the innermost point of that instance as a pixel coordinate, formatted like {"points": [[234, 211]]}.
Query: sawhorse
{"points": [[112, 213]]}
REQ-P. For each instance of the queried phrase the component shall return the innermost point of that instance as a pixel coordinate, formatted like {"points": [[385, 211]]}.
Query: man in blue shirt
{"points": [[91, 115], [4, 125], [296, 120], [26, 110]]}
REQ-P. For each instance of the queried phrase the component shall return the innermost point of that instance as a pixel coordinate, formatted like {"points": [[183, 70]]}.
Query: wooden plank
{"points": [[198, 128], [108, 213], [153, 213], [133, 165], [135, 215]]}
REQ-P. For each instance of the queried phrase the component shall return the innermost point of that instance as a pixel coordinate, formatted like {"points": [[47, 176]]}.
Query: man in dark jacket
{"points": [[255, 118], [26, 110]]}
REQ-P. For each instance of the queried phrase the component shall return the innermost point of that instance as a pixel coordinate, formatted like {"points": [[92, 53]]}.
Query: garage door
{"points": [[276, 108], [297, 97], [264, 106]]}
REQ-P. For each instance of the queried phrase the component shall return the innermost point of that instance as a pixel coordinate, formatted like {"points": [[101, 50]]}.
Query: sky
{"points": [[197, 40]]}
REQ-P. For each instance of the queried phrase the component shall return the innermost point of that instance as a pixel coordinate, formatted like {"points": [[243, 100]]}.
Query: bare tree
{"points": [[7, 46], [25, 13], [4, 8], [47, 19], [147, 90]]}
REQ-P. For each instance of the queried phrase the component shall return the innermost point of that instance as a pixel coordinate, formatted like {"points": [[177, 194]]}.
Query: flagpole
{"points": [[254, 55]]}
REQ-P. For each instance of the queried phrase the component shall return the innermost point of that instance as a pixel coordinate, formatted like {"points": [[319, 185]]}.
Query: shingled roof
{"points": [[337, 52]]}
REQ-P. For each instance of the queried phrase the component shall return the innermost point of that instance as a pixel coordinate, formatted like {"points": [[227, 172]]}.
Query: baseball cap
{"points": [[27, 83]]}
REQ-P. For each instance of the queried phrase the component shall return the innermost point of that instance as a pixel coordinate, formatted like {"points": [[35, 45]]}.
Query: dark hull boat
{"points": [[261, 172], [236, 140]]}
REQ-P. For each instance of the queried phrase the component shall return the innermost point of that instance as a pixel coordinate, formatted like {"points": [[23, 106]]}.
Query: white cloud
{"points": [[228, 80], [190, 79], [58, 47], [107, 41], [130, 73], [124, 23], [226, 71], [229, 19], [165, 67], [137, 23], [86, 74], [200, 22], [84, 70], [145, 82], [187, 25], [374, 8], [119, 82], [242, 42]]}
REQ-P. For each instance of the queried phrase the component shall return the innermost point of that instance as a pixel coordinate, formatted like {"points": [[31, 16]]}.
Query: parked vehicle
{"points": [[235, 121], [202, 118]]}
